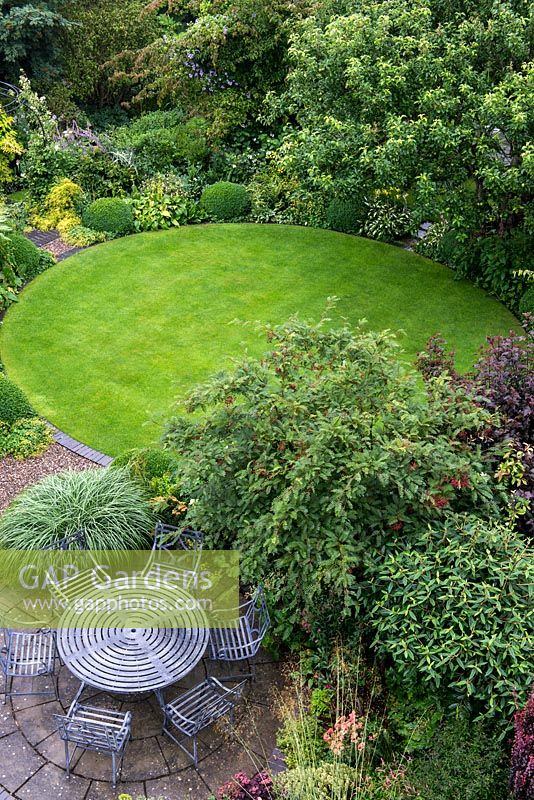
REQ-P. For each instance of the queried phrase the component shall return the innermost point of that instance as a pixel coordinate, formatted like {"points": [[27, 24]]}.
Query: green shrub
{"points": [[13, 402], [160, 205], [24, 256], [108, 504], [16, 214], [388, 216], [526, 304], [148, 463], [345, 215], [452, 609], [26, 438], [103, 176], [465, 761], [225, 200], [46, 260], [109, 215]]}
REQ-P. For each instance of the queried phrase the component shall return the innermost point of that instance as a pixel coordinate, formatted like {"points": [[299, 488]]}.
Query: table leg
{"points": [[159, 697], [76, 698]]}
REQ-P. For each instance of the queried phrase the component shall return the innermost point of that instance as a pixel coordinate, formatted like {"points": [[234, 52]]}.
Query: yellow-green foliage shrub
{"points": [[67, 224], [61, 203]]}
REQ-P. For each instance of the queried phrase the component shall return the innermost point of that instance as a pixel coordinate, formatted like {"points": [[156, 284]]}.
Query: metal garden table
{"points": [[131, 660]]}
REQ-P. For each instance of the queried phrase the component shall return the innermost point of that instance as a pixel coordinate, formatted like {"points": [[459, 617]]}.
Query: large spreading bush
{"points": [[14, 404], [63, 200], [322, 449], [454, 608], [109, 505], [110, 215], [225, 201]]}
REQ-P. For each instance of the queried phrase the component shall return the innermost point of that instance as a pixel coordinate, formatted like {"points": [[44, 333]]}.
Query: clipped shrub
{"points": [[440, 612], [225, 200], [108, 504], [345, 215], [109, 215], [24, 256], [526, 304], [465, 761], [63, 200], [14, 404], [522, 772], [26, 438]]}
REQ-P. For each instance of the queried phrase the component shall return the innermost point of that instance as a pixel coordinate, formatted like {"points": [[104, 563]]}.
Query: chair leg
{"points": [[195, 751], [67, 758], [114, 770]]}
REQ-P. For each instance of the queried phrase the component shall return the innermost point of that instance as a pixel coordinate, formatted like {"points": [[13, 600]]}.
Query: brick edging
{"points": [[80, 448]]}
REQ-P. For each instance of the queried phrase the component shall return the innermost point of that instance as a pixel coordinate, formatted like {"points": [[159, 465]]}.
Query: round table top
{"points": [[135, 659]]}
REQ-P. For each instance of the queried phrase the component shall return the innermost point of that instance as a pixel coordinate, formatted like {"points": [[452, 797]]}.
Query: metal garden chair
{"points": [[242, 642], [95, 729], [198, 708], [27, 655], [168, 537]]}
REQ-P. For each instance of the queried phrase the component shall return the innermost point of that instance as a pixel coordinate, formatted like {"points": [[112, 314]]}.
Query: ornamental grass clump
{"points": [[107, 504]]}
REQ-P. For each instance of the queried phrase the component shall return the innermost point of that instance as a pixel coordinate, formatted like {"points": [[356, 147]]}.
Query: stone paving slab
{"points": [[32, 758]]}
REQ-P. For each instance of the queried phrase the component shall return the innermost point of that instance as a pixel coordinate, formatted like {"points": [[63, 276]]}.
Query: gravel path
{"points": [[16, 475]]}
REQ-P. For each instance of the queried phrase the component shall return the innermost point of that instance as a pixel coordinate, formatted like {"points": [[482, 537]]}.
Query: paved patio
{"points": [[32, 755]]}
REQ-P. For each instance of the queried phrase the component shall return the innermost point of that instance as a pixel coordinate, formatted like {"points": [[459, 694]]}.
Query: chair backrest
{"points": [[28, 653], [168, 537], [73, 541], [257, 614], [219, 701]]}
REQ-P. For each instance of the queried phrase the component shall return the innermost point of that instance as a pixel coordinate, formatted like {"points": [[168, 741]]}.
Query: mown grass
{"points": [[105, 341]]}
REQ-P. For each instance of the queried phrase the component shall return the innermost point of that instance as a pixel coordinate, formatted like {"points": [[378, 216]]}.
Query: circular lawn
{"points": [[105, 341]]}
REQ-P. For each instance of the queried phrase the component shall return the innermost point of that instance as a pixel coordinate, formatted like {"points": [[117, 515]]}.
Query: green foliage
{"points": [[526, 304], [42, 165], [108, 504], [109, 215], [24, 256], [13, 402], [322, 449], [80, 236], [27, 34], [63, 200], [25, 438], [224, 201], [102, 174], [454, 608], [102, 29], [388, 217], [464, 761], [16, 215], [147, 464], [46, 260], [162, 203], [10, 147], [345, 215], [445, 118]]}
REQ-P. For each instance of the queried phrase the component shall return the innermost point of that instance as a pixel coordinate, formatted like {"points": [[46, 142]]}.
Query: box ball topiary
{"points": [[526, 304], [14, 404], [225, 201], [109, 215], [24, 256], [344, 215]]}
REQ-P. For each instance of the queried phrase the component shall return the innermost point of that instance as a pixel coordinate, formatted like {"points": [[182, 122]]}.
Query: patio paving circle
{"points": [[32, 755]]}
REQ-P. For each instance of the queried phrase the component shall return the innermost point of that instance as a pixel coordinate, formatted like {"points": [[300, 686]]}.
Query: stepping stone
{"points": [[52, 782], [18, 762], [40, 238]]}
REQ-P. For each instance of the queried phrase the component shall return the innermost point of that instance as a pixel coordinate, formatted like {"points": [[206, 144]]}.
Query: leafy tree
{"points": [[101, 30], [444, 114], [27, 36], [305, 459], [10, 147], [219, 59]]}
